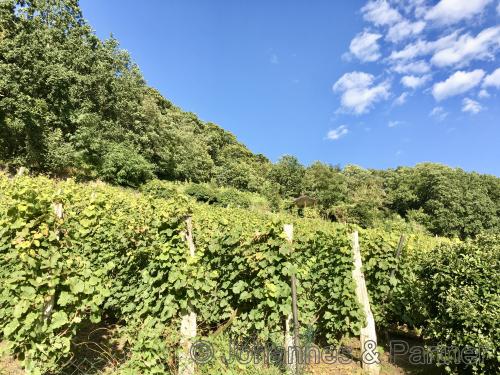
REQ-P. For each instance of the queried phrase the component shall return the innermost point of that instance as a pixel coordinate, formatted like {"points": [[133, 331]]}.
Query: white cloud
{"points": [[452, 11], [380, 12], [359, 92], [418, 7], [404, 29], [401, 99], [416, 67], [438, 113], [365, 47], [458, 83], [492, 80], [337, 133], [498, 8], [395, 123], [471, 106], [483, 94], [467, 48], [453, 48], [414, 81], [274, 59], [423, 47]]}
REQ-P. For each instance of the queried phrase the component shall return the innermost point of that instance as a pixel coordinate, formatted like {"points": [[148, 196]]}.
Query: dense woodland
{"points": [[72, 105]]}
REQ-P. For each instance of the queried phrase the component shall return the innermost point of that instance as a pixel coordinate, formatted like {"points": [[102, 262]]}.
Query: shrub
{"points": [[123, 165], [230, 197], [202, 193], [462, 283], [160, 189]]}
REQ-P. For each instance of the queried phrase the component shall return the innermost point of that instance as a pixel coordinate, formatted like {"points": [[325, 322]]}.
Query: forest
{"points": [[99, 171]]}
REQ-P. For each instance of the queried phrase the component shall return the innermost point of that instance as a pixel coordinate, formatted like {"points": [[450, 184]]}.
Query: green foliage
{"points": [[393, 282], [202, 192], [60, 154], [152, 349], [124, 166], [288, 174], [327, 185], [161, 189], [81, 108], [462, 283], [120, 253], [40, 268], [447, 201], [447, 289], [231, 197], [79, 264]]}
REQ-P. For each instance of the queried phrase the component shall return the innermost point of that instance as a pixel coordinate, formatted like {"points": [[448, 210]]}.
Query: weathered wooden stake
{"points": [[398, 253], [289, 356], [21, 171], [293, 351], [402, 239], [187, 365], [50, 299], [369, 357]]}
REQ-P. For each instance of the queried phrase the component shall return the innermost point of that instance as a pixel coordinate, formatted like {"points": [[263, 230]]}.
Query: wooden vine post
{"points": [[187, 365], [292, 346], [369, 356], [398, 253], [50, 299]]}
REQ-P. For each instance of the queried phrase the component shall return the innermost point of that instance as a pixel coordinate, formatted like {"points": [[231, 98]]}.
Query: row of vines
{"points": [[120, 254]]}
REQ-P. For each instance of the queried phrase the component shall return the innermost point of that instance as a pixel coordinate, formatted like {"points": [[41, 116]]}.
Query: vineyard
{"points": [[73, 255]]}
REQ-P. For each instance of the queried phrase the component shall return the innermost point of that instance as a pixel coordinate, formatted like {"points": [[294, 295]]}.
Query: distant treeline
{"points": [[73, 105]]}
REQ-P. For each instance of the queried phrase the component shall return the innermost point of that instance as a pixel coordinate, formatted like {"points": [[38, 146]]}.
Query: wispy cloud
{"points": [[393, 124], [493, 79], [359, 91], [483, 94], [404, 29], [401, 99], [380, 12], [365, 46], [467, 48], [415, 67], [458, 83], [274, 59], [335, 134], [471, 106], [423, 47], [453, 11], [414, 82], [438, 113]]}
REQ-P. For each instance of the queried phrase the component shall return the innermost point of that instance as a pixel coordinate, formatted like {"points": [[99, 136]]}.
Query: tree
{"points": [[326, 184], [365, 200], [288, 173]]}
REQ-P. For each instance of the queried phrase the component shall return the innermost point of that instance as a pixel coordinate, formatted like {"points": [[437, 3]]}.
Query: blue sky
{"points": [[373, 83]]}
